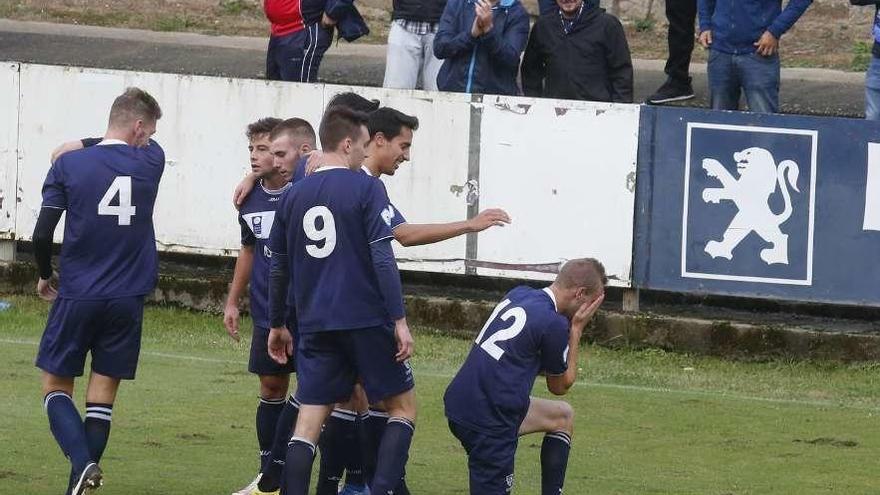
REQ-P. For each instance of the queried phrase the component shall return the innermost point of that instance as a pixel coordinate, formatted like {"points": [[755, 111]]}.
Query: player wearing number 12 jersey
{"points": [[108, 264], [335, 227], [488, 403]]}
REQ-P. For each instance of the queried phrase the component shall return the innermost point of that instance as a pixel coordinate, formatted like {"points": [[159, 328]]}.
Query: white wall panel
{"points": [[8, 147], [565, 171]]}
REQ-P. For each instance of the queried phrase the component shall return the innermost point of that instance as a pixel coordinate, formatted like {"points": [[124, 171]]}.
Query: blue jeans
{"points": [[755, 75], [872, 90]]}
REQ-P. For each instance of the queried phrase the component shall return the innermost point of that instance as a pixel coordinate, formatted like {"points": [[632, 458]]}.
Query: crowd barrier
{"points": [[564, 170], [673, 199]]}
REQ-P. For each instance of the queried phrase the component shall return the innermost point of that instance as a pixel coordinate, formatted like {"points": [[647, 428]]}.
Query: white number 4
{"points": [[124, 210], [519, 322]]}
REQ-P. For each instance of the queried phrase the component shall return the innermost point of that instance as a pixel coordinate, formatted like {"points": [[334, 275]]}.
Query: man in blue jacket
{"points": [[743, 36], [480, 42], [872, 76]]}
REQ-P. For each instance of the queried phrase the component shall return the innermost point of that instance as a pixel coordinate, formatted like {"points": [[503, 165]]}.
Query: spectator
{"points": [[681, 15], [872, 77], [302, 31], [578, 52], [743, 36], [480, 42], [410, 55]]}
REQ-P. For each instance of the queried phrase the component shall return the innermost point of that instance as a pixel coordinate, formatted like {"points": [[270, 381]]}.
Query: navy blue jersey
{"points": [[396, 216], [524, 336], [256, 217], [108, 191], [325, 225]]}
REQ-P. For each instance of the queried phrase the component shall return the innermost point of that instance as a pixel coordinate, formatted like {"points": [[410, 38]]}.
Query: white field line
{"points": [[607, 386]]}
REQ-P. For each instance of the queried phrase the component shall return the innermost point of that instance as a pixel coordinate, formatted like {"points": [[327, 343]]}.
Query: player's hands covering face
{"points": [[586, 311]]}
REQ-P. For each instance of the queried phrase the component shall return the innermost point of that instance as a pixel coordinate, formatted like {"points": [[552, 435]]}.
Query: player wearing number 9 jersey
{"points": [[488, 403], [108, 265], [335, 228]]}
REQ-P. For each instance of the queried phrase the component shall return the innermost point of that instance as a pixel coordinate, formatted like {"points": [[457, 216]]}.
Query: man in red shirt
{"points": [[302, 31]]}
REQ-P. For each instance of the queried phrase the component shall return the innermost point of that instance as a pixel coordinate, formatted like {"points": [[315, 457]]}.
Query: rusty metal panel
{"points": [[9, 87]]}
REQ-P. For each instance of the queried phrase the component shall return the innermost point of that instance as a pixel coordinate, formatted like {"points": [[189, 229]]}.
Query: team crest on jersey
{"points": [[388, 214], [260, 223]]}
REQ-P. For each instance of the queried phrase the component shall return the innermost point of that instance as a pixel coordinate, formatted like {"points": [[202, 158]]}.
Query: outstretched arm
{"points": [[408, 234]]}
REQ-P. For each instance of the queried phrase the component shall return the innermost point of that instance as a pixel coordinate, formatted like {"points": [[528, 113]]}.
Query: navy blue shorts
{"points": [[110, 329], [490, 459], [260, 363], [297, 56], [329, 364]]}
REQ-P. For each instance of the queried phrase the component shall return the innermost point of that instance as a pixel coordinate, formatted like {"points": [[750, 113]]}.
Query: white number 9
{"points": [[326, 233]]}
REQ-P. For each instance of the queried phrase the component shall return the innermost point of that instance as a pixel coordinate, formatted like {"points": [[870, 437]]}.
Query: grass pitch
{"points": [[647, 421]]}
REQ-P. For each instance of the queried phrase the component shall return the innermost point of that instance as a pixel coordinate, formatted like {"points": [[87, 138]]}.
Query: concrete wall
{"points": [[564, 170]]}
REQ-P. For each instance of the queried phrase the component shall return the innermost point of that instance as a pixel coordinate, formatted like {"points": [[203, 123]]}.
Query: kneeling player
{"points": [[488, 403]]}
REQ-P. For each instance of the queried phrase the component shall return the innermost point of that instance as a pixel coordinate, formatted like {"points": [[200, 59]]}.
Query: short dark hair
{"points": [[338, 124], [390, 122], [584, 272], [295, 128], [353, 101], [260, 127], [134, 104]]}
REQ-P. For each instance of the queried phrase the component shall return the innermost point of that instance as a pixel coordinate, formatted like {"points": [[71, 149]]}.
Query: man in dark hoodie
{"points": [[480, 42], [578, 52]]}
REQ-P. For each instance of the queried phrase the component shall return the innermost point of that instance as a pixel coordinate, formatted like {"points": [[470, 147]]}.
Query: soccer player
{"points": [[488, 403], [287, 142], [335, 225], [252, 266], [108, 264]]}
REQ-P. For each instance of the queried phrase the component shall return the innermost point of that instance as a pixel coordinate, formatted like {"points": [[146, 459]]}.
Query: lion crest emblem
{"points": [[759, 176]]}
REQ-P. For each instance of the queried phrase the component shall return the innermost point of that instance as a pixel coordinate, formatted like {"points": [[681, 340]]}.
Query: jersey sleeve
{"points": [[378, 212], [397, 218], [54, 194], [554, 347], [247, 235], [155, 155]]}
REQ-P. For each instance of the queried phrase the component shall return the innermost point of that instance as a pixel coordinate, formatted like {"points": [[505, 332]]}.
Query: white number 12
{"points": [[519, 322], [124, 210]]}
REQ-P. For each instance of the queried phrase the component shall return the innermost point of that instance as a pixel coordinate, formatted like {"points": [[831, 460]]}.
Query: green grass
{"points": [[647, 421]]}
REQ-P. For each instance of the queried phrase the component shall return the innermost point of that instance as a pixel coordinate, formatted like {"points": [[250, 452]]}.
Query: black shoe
{"points": [[672, 91], [91, 479]]}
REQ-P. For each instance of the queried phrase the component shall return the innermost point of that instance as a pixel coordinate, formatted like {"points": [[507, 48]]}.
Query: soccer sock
{"points": [[354, 461], [67, 427], [554, 460], [271, 478], [371, 434], [97, 427], [298, 468], [268, 412], [334, 446], [393, 454]]}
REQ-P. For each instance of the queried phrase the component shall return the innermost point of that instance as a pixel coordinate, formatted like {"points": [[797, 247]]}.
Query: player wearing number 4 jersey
{"points": [[488, 403], [335, 227], [108, 265]]}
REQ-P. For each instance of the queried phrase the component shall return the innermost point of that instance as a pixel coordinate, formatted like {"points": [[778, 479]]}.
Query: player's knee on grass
{"points": [[564, 419], [274, 386]]}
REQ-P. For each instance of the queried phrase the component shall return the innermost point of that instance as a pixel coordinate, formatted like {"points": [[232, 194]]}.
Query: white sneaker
{"points": [[248, 489]]}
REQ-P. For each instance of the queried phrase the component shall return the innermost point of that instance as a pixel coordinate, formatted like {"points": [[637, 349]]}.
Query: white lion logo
{"points": [[758, 178]]}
